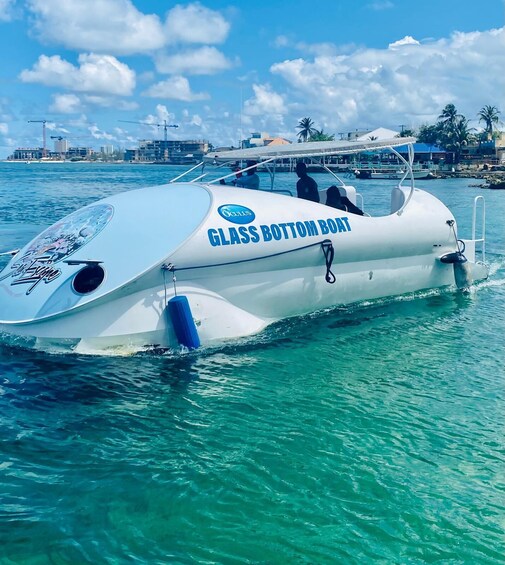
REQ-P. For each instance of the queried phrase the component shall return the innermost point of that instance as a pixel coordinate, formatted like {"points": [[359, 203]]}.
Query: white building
{"points": [[61, 146]]}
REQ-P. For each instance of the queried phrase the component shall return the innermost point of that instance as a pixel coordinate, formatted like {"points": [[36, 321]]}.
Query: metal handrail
{"points": [[482, 238]]}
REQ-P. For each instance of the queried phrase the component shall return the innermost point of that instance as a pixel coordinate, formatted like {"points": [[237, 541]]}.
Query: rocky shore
{"points": [[493, 179]]}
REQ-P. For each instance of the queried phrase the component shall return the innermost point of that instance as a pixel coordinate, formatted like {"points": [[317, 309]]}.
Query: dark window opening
{"points": [[88, 279]]}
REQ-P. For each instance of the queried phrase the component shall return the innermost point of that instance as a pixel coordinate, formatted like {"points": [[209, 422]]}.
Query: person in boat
{"points": [[336, 200], [251, 180], [306, 187]]}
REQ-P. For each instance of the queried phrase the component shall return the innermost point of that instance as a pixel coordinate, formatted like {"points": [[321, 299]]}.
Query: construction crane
{"points": [[164, 125], [43, 122]]}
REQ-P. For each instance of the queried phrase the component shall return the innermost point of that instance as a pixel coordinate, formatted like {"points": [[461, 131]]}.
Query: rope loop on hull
{"points": [[329, 254], [326, 246]]}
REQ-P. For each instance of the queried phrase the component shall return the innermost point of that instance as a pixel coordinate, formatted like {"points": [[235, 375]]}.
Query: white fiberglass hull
{"points": [[247, 259]]}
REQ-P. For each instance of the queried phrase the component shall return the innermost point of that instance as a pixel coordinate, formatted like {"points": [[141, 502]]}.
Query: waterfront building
{"points": [[61, 152], [167, 151], [261, 139], [27, 154], [61, 146]]}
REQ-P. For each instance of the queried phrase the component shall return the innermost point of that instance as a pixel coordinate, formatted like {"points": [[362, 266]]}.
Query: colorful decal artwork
{"points": [[38, 262]]}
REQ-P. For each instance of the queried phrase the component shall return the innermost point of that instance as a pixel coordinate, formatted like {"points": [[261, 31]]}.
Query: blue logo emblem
{"points": [[236, 214]]}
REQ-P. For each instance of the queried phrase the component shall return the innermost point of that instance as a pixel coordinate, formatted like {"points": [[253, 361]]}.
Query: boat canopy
{"points": [[308, 149]]}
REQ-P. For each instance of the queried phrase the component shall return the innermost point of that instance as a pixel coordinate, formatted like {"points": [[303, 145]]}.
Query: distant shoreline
{"points": [[488, 175]]}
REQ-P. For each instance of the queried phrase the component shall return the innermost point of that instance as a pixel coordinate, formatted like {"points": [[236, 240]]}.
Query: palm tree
{"points": [[306, 127], [450, 125], [460, 137], [319, 135], [449, 117], [489, 115]]}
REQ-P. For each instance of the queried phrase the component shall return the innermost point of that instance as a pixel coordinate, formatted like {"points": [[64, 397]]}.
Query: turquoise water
{"points": [[371, 434]]}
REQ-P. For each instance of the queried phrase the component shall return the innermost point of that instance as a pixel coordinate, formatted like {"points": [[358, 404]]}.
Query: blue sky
{"points": [[222, 70]]}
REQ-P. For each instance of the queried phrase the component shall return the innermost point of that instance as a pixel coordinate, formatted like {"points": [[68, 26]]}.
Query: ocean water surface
{"points": [[368, 434]]}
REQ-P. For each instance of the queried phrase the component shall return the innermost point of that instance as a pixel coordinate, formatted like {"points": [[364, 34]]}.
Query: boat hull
{"points": [[250, 258]]}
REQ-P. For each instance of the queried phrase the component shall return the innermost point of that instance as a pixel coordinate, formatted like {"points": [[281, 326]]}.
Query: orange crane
{"points": [[164, 125], [43, 122]]}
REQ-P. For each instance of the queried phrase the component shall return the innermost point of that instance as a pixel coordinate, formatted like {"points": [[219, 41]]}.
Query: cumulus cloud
{"points": [[97, 133], [66, 104], [176, 88], [409, 78], [203, 61], [265, 101], [117, 27], [195, 23], [161, 115], [96, 74], [196, 120], [407, 40], [112, 26]]}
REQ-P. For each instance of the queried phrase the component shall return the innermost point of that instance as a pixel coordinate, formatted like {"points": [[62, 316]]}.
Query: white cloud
{"points": [[176, 88], [6, 10], [96, 74], [265, 101], [65, 104], [407, 40], [99, 134], [162, 113], [4, 128], [203, 61], [111, 26], [109, 102], [196, 120], [370, 87], [195, 23]]}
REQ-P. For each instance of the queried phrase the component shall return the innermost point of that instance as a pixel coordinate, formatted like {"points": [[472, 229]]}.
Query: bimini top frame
{"points": [[309, 150], [306, 150]]}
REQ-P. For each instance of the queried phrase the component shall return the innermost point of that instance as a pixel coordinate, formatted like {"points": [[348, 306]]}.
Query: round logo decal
{"points": [[236, 213]]}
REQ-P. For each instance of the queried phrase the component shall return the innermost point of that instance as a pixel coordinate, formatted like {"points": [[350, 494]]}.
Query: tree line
{"points": [[451, 131]]}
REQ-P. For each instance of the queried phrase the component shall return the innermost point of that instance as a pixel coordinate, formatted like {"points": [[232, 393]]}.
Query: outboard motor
{"points": [[462, 270]]}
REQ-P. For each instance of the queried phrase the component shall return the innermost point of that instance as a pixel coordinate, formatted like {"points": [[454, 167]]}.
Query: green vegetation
{"points": [[319, 135], [306, 127], [452, 130], [489, 115], [309, 133]]}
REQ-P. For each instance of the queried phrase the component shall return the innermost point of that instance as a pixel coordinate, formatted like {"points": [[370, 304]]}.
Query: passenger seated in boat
{"points": [[336, 200], [306, 187], [251, 180]]}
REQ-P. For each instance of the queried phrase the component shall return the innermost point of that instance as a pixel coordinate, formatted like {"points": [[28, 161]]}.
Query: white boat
{"points": [[194, 262], [393, 173]]}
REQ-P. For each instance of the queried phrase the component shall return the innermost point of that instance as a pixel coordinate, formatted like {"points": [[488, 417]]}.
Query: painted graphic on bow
{"points": [[39, 262]]}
